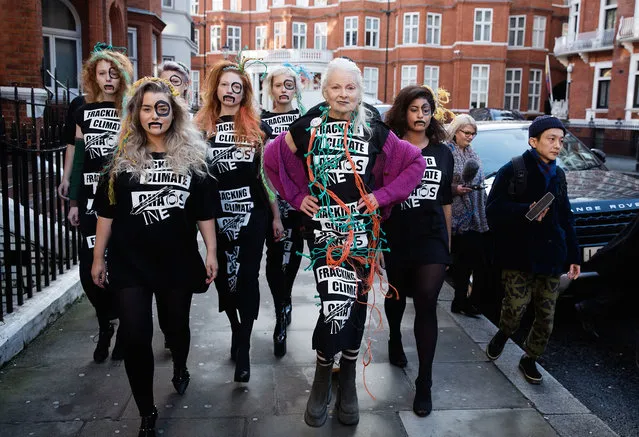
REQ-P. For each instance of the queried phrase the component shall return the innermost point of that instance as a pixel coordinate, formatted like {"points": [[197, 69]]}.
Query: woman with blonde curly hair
{"points": [[106, 76], [236, 140], [156, 193], [418, 233]]}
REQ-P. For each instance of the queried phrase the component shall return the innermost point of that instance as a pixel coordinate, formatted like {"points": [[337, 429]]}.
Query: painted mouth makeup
{"points": [[420, 122], [109, 87], [284, 97], [230, 99], [155, 124]]}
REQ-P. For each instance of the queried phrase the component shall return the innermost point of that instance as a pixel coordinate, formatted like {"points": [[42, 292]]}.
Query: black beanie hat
{"points": [[543, 123]]}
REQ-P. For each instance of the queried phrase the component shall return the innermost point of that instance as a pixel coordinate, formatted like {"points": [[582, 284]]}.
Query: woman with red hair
{"points": [[236, 139]]}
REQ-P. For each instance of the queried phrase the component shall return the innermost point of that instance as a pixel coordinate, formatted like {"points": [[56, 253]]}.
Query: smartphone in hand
{"points": [[540, 206]]}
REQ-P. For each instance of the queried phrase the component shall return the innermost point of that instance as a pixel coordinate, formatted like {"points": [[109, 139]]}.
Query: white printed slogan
{"points": [[280, 123], [342, 293], [337, 166], [229, 150], [107, 121], [428, 188]]}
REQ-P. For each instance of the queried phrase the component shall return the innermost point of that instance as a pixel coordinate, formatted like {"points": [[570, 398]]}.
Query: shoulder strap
{"points": [[519, 181]]}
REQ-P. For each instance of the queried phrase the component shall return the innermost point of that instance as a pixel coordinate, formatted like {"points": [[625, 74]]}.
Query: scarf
{"points": [[548, 171]]}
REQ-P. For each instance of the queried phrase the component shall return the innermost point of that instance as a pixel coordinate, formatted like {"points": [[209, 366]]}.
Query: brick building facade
{"points": [[488, 53], [600, 50], [41, 38]]}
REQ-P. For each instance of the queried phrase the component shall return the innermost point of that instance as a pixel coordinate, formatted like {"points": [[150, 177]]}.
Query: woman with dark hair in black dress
{"points": [[418, 235]]}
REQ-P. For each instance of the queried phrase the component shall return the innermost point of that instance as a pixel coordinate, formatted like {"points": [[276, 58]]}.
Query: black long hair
{"points": [[396, 115]]}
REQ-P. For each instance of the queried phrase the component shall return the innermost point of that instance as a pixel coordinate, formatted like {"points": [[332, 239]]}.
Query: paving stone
{"points": [[41, 429], [168, 428], [582, 425]]}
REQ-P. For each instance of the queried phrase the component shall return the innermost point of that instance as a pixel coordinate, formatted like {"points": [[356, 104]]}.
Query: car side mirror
{"points": [[599, 154]]}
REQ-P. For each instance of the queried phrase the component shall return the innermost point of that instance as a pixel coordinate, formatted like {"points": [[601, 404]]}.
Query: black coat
{"points": [[545, 247]]}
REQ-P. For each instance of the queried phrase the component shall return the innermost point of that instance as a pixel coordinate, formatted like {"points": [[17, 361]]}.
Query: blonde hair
{"points": [[278, 71], [362, 115], [90, 83], [458, 122], [186, 150]]}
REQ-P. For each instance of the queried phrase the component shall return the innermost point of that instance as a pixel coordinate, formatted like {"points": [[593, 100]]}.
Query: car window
{"points": [[497, 147]]}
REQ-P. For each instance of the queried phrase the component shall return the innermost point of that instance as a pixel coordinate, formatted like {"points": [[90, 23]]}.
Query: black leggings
{"points": [[101, 298], [283, 262], [424, 283], [136, 325]]}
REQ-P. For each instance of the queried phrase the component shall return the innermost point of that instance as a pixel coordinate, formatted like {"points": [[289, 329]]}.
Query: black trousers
{"points": [[102, 299], [136, 326], [282, 260], [469, 257]]}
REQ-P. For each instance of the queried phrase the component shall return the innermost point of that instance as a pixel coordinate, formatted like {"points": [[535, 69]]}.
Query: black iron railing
{"points": [[36, 243]]}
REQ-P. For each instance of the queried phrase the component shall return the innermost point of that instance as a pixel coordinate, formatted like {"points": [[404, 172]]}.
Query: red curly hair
{"points": [[246, 120]]}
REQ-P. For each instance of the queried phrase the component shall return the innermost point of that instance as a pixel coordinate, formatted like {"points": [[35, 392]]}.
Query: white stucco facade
{"points": [[176, 37]]}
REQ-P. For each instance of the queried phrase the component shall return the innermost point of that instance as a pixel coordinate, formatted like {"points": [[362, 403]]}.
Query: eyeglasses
{"points": [[469, 134]]}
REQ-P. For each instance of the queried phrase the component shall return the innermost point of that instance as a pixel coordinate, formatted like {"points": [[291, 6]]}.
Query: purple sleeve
{"points": [[403, 170], [286, 171]]}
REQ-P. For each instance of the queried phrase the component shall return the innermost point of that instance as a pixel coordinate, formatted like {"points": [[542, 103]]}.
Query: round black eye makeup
{"points": [[426, 109], [114, 73], [289, 84], [176, 80], [162, 108], [236, 87]]}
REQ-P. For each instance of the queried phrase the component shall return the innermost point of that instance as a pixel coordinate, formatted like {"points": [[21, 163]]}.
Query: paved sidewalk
{"points": [[53, 388]]}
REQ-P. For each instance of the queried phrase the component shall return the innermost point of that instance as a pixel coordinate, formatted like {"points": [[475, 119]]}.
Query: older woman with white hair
{"points": [[469, 215], [343, 170]]}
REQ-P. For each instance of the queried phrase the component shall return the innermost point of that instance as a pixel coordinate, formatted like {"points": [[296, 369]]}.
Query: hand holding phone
{"points": [[539, 207]]}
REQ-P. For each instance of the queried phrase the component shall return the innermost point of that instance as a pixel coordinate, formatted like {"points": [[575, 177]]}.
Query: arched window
{"points": [[62, 38]]}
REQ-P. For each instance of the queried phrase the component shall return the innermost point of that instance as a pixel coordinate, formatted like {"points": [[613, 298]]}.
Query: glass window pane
{"points": [[66, 64], [47, 60], [55, 14]]}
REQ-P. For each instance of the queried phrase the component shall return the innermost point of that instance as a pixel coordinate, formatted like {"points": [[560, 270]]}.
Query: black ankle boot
{"points": [[147, 425], [396, 354], [423, 403], [347, 404], [181, 379], [101, 351], [317, 405], [242, 365], [279, 334]]}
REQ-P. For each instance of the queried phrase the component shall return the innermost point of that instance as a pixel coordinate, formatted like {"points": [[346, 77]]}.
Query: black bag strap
{"points": [[519, 181]]}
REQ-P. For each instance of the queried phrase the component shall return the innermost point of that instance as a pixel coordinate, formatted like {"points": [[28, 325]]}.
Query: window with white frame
{"points": [[132, 49], [62, 43], [516, 30], [166, 58], [278, 2], [573, 19], [483, 24], [350, 31], [195, 7], [321, 2], [479, 86], [154, 54], [261, 5], [371, 81], [260, 38], [411, 28], [279, 34], [303, 3], [299, 35], [433, 29], [216, 5], [602, 87], [371, 32], [321, 36], [236, 5], [431, 76], [196, 40], [195, 88], [534, 89], [635, 93], [512, 90], [216, 38], [234, 38], [409, 75], [609, 14], [167, 4], [539, 32]]}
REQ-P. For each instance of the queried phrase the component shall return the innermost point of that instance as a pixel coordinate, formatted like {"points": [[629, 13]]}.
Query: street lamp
{"points": [[225, 51], [568, 82]]}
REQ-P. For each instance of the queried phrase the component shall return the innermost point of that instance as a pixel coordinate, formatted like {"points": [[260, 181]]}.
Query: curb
{"points": [[564, 412], [45, 307]]}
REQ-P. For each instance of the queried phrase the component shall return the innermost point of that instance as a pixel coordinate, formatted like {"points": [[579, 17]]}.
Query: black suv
{"points": [[603, 201]]}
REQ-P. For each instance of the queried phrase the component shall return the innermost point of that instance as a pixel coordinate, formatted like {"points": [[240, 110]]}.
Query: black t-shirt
{"points": [[70, 124], [100, 126], [416, 229], [153, 235], [334, 171], [236, 166], [279, 122]]}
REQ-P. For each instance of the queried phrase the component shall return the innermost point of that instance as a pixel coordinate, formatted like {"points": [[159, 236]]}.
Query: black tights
{"points": [[136, 325], [424, 283], [101, 299]]}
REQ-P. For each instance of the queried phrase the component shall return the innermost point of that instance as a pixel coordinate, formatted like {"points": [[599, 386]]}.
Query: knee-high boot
{"points": [[347, 404], [317, 405], [243, 363], [279, 333]]}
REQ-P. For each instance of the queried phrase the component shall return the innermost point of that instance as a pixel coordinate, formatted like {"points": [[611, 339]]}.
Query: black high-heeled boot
{"points": [[101, 351], [279, 333], [147, 425], [181, 379], [423, 403], [288, 309], [243, 363]]}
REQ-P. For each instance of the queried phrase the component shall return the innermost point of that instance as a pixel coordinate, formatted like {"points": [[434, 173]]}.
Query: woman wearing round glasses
{"points": [[469, 214]]}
